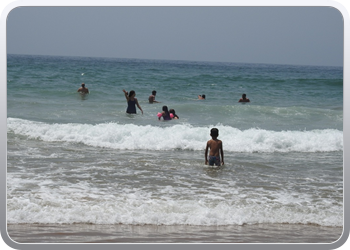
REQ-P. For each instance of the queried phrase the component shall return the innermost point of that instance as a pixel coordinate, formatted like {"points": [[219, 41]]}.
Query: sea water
{"points": [[75, 158]]}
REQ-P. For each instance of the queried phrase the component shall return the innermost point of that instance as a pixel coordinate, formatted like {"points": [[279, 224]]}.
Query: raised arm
{"points": [[126, 95]]}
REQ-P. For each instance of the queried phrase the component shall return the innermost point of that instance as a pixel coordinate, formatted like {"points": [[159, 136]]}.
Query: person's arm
{"points": [[206, 154], [222, 154], [152, 99], [126, 95], [137, 103]]}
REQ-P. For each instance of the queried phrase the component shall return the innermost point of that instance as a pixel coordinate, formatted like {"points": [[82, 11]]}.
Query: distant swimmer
{"points": [[244, 98], [165, 114], [132, 102], [201, 97], [216, 150], [175, 116], [83, 90], [152, 98]]}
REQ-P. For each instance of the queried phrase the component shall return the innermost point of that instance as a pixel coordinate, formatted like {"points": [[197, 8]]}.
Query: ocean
{"points": [[80, 161]]}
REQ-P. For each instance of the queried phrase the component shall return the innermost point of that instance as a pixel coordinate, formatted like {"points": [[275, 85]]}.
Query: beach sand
{"points": [[88, 233]]}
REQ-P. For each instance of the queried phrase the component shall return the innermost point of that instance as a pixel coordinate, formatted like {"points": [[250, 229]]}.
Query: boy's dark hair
{"points": [[214, 132], [154, 92]]}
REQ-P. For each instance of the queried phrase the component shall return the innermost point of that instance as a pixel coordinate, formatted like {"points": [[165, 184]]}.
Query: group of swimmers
{"points": [[133, 103], [214, 146], [243, 99]]}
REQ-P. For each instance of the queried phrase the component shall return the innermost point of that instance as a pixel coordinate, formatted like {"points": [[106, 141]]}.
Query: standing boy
{"points": [[215, 146]]}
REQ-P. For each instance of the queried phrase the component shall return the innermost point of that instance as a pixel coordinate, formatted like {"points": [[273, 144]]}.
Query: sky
{"points": [[274, 35]]}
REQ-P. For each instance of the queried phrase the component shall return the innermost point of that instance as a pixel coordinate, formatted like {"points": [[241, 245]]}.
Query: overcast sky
{"points": [[278, 35]]}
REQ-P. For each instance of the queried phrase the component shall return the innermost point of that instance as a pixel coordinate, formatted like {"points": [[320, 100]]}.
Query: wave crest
{"points": [[179, 136]]}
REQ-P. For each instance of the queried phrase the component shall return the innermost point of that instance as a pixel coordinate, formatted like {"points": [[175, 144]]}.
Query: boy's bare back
{"points": [[214, 145]]}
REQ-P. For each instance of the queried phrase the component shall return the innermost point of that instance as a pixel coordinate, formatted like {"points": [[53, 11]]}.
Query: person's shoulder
{"points": [[213, 140]]}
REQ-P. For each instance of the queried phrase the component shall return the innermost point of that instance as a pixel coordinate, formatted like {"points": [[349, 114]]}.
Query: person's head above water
{"points": [[214, 132], [165, 109], [132, 93]]}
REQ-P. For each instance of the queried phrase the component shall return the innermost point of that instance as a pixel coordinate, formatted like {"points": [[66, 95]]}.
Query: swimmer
{"points": [[165, 114], [132, 102], [83, 90], [152, 98], [175, 116], [244, 98], [201, 97]]}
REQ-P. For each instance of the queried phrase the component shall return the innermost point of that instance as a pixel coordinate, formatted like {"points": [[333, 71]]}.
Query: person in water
{"points": [[201, 97], [152, 98], [83, 90], [132, 102], [244, 98], [165, 114], [175, 116], [216, 150]]}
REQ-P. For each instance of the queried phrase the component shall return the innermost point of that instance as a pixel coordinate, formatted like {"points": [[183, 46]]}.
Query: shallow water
{"points": [[84, 233], [80, 160]]}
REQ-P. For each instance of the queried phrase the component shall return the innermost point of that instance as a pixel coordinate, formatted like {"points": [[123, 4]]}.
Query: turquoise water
{"points": [[83, 159], [291, 97]]}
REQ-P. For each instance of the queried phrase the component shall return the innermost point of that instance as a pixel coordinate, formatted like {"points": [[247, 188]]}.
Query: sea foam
{"points": [[179, 137]]}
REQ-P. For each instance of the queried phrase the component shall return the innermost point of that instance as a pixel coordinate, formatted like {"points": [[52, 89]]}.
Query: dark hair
{"points": [[131, 93], [203, 96], [83, 84], [165, 109], [244, 96], [172, 111], [214, 132], [154, 92]]}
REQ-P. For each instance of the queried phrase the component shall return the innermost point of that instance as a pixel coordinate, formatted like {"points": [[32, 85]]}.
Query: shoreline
{"points": [[121, 233]]}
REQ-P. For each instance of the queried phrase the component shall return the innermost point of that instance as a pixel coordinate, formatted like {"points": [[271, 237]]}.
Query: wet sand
{"points": [[86, 233]]}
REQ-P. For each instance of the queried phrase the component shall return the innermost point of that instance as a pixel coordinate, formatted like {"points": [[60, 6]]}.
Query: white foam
{"points": [[179, 136], [134, 206]]}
